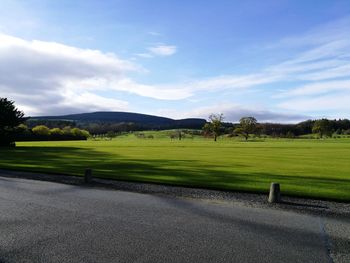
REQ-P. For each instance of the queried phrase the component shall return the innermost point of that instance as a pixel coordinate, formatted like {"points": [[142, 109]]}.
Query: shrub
{"points": [[41, 130], [56, 132]]}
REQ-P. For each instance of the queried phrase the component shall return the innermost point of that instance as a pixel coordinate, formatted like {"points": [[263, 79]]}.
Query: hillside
{"points": [[147, 121]]}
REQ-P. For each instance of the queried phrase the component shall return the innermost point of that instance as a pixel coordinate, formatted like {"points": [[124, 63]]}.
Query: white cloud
{"points": [[333, 102], [160, 50], [233, 112], [163, 50], [144, 55], [52, 78], [232, 82], [331, 73], [324, 68], [318, 88], [156, 92], [47, 77]]}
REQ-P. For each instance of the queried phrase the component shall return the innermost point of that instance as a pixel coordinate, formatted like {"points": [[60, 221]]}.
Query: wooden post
{"points": [[88, 175], [275, 193]]}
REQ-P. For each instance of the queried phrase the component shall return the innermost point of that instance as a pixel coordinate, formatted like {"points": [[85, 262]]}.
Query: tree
{"points": [[110, 135], [67, 130], [215, 124], [83, 134], [206, 129], [56, 134], [322, 127], [179, 135], [247, 125], [10, 119], [41, 130]]}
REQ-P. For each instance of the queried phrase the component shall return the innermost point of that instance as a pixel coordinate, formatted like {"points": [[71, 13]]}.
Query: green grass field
{"points": [[310, 168]]}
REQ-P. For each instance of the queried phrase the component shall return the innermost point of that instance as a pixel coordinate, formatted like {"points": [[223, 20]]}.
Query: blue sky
{"points": [[280, 61]]}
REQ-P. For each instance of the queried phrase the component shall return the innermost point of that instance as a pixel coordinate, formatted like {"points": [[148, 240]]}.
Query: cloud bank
{"points": [[233, 113], [52, 78]]}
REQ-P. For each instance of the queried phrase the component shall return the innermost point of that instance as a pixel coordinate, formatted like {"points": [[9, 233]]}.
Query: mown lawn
{"points": [[310, 168]]}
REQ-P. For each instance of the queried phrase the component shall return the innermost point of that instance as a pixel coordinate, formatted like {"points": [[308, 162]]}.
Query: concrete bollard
{"points": [[275, 194], [88, 175]]}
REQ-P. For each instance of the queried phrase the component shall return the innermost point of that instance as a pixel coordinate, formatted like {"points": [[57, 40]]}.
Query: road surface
{"points": [[52, 222]]}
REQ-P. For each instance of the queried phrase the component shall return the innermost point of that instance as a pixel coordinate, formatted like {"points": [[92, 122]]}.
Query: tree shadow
{"points": [[285, 234], [180, 171]]}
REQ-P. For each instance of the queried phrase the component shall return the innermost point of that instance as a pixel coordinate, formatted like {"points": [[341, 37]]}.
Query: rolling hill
{"points": [[148, 121]]}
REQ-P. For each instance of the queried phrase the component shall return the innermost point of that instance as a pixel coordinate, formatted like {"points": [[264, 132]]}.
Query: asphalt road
{"points": [[52, 222]]}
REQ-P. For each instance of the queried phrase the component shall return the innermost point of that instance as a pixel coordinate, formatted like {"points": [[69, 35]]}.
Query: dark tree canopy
{"points": [[10, 119], [322, 127], [247, 125]]}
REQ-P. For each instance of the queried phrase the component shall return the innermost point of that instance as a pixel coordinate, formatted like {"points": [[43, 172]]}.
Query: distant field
{"points": [[310, 168]]}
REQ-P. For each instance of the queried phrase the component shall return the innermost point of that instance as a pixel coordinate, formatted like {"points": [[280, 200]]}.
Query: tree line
{"points": [[12, 128], [15, 127], [249, 126], [43, 133]]}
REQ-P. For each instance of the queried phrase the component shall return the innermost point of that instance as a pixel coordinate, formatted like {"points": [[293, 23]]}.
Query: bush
{"points": [[41, 130], [67, 130], [56, 132], [43, 133]]}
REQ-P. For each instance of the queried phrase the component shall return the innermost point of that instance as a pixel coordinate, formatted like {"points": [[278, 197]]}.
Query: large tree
{"points": [[247, 125], [215, 124], [10, 119], [322, 127]]}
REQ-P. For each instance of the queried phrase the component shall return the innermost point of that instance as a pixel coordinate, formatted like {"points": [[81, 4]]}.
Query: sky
{"points": [[277, 60]]}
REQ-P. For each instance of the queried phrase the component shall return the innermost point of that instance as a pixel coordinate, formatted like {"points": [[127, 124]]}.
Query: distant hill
{"points": [[144, 120]]}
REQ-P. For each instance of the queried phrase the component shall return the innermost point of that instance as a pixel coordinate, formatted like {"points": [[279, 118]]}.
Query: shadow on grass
{"points": [[184, 172]]}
